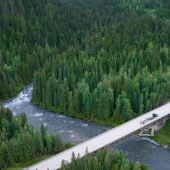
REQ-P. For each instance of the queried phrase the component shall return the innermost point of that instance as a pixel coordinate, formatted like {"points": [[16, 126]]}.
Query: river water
{"points": [[77, 131]]}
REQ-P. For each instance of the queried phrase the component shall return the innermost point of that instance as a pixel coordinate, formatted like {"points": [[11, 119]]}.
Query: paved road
{"points": [[101, 140]]}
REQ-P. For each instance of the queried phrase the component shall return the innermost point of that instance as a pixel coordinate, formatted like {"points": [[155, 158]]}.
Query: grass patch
{"points": [[163, 135], [20, 166]]}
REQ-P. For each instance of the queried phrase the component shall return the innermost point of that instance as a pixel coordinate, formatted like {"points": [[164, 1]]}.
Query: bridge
{"points": [[111, 136]]}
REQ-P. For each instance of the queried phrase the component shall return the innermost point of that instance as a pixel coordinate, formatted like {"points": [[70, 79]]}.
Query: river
{"points": [[77, 131]]}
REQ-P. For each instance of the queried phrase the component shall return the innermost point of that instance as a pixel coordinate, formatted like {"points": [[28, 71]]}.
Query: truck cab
{"points": [[155, 114]]}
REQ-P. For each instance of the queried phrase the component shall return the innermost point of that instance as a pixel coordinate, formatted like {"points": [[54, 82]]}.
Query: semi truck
{"points": [[149, 118]]}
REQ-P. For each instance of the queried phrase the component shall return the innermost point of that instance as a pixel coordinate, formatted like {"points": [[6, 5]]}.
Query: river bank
{"points": [[162, 136], [109, 122], [77, 131], [12, 95]]}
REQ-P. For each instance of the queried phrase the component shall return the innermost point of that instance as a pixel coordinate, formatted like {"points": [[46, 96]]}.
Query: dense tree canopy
{"points": [[103, 160], [119, 69], [100, 60], [19, 142]]}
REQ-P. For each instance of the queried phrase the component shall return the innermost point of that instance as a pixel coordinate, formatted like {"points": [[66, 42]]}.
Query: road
{"points": [[101, 140]]}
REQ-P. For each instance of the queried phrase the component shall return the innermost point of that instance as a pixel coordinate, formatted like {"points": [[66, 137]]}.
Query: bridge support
{"points": [[153, 130], [141, 132], [148, 131]]}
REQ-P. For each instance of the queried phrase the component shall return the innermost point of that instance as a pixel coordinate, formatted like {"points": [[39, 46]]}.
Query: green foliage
{"points": [[103, 160], [118, 68], [98, 60], [19, 142], [163, 135], [30, 32], [86, 55], [123, 108]]}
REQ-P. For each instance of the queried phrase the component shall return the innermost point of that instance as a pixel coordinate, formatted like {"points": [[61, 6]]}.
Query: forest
{"points": [[104, 61], [19, 142], [118, 70], [103, 160]]}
